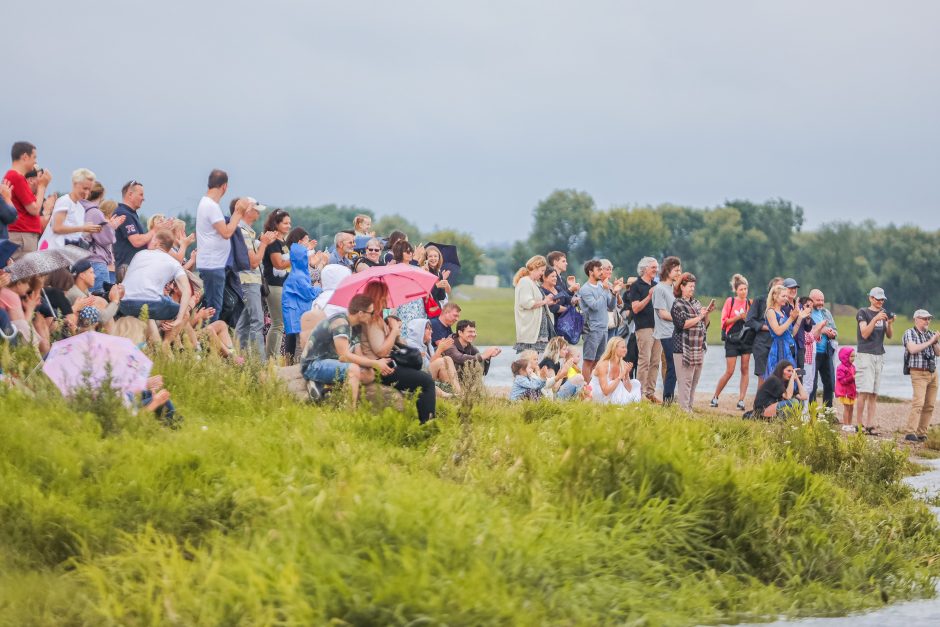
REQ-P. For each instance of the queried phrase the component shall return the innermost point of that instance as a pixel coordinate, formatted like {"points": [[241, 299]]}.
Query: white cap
{"points": [[877, 293], [922, 313], [257, 204]]}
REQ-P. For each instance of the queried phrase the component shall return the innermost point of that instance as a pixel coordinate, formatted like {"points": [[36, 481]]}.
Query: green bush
{"points": [[261, 510]]}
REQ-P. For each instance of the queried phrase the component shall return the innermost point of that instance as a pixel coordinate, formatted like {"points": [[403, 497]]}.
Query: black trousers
{"points": [[824, 371], [410, 380]]}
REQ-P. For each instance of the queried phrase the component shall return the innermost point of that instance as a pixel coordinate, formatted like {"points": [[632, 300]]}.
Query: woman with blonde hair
{"points": [[610, 379], [783, 328], [531, 307], [559, 359], [732, 324], [434, 263]]}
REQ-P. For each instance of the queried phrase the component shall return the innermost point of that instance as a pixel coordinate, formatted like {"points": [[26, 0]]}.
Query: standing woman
{"points": [[561, 301], [732, 322], [275, 268], [688, 341], [297, 293], [530, 308], [434, 263], [782, 328]]}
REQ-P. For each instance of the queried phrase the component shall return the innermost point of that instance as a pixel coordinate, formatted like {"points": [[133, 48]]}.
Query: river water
{"points": [[893, 381]]}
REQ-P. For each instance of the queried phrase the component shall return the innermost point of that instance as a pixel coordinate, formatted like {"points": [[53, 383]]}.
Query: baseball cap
{"points": [[80, 266], [922, 313], [257, 204], [877, 293], [790, 283]]}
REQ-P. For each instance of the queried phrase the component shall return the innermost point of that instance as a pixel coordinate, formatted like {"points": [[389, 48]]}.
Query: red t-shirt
{"points": [[22, 195]]}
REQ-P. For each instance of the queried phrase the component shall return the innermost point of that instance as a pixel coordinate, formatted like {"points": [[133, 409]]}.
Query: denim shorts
{"points": [[326, 371]]}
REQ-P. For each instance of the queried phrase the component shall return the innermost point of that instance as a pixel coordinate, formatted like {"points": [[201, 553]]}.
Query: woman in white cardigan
{"points": [[532, 315]]}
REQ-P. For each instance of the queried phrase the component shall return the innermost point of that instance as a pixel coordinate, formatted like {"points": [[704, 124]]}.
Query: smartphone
{"points": [[711, 304]]}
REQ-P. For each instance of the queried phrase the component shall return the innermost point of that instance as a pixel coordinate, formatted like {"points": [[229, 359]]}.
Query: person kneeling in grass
{"points": [[328, 356], [781, 390]]}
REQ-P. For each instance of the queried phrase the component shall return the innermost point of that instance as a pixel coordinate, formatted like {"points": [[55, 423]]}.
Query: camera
{"points": [[801, 372]]}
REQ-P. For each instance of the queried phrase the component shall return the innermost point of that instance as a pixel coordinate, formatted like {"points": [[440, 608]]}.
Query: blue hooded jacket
{"points": [[298, 294]]}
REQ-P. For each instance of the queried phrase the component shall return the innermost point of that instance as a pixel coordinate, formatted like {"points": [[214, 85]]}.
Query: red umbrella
{"points": [[405, 283]]}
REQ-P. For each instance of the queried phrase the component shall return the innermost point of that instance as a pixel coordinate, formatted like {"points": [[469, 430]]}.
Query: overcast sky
{"points": [[466, 114]]}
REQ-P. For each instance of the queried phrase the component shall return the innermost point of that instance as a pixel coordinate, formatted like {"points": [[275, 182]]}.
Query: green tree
{"points": [[395, 222], [626, 235], [563, 222]]}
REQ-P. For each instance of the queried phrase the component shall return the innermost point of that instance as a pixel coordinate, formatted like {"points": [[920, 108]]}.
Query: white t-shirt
{"points": [[213, 248], [75, 216], [149, 271]]}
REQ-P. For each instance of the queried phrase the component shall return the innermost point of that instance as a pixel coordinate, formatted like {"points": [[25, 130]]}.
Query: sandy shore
{"points": [[890, 418]]}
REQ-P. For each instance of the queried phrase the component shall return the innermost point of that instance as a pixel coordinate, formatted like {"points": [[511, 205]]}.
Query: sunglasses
{"points": [[373, 250]]}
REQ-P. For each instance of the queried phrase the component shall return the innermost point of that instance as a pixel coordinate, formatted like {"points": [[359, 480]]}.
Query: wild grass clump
{"points": [[262, 510]]}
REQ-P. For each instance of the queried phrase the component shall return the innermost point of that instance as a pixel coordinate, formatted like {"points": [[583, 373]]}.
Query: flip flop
{"points": [[871, 431]]}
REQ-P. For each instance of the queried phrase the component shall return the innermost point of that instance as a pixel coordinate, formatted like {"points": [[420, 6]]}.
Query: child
{"points": [[845, 386], [362, 226], [525, 384]]}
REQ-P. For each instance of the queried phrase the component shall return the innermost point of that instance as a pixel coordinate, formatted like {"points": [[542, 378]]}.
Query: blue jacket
{"points": [[298, 292], [7, 217]]}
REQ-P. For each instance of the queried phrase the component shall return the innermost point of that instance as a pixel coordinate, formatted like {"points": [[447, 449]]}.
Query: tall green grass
{"points": [[261, 510]]}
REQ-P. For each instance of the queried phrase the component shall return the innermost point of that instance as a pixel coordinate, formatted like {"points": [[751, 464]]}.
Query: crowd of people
{"points": [[272, 293], [634, 330], [226, 287]]}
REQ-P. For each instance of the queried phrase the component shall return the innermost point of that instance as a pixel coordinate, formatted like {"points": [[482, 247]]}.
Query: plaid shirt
{"points": [[921, 359], [689, 342]]}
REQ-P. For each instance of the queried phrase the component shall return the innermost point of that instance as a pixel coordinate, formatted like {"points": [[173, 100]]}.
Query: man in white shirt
{"points": [[67, 224], [212, 240], [149, 272]]}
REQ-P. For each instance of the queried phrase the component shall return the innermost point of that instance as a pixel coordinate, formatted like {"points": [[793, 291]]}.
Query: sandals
{"points": [[870, 431]]}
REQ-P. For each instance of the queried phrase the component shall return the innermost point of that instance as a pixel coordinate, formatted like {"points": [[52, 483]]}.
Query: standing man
{"points": [[28, 226], [212, 240], [825, 348], [874, 325], [130, 237], [663, 298], [650, 351], [250, 326], [596, 301], [567, 284], [920, 357]]}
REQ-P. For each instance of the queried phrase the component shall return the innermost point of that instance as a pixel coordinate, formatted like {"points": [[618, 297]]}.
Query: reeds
{"points": [[495, 513]]}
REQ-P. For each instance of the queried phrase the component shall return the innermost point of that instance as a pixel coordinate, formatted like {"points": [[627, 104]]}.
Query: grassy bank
{"points": [[492, 308], [261, 510]]}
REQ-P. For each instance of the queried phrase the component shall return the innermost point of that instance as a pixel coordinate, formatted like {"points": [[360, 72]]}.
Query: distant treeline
{"points": [[758, 240]]}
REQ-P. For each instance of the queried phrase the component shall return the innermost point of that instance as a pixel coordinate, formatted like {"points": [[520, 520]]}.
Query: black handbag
{"points": [[407, 357]]}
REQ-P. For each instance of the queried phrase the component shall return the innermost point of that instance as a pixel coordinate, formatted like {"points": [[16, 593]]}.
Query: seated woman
{"points": [[526, 384], [610, 380], [780, 391], [377, 340], [440, 366], [559, 361]]}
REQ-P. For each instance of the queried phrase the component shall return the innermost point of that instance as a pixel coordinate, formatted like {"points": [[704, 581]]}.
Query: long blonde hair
{"points": [[612, 344], [554, 347], [534, 263], [772, 296], [153, 220], [440, 257]]}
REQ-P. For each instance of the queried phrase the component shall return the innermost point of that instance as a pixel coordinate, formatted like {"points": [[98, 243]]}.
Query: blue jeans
{"points": [[567, 390], [669, 379], [101, 275], [250, 327], [325, 371], [166, 413], [213, 286], [164, 309]]}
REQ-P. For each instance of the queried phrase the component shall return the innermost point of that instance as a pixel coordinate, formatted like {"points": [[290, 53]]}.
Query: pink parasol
{"points": [[405, 283], [84, 360]]}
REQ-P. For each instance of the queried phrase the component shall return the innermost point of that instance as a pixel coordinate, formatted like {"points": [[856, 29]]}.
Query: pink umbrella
{"points": [[405, 283], [85, 360]]}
